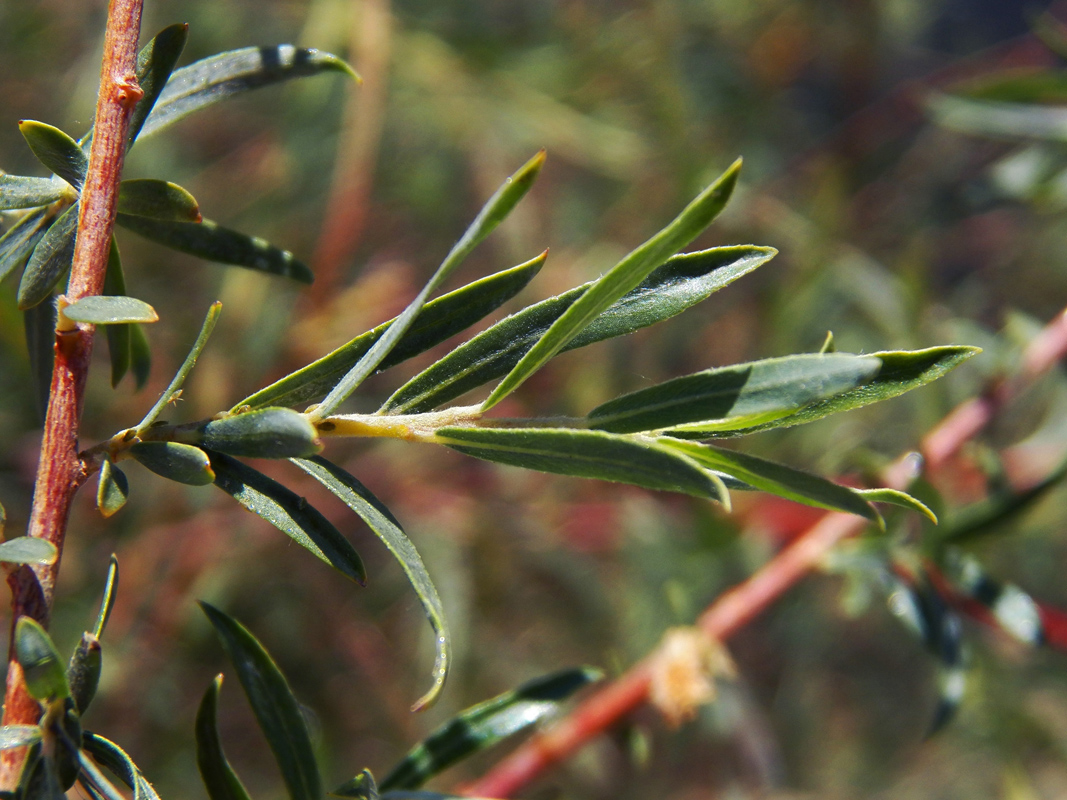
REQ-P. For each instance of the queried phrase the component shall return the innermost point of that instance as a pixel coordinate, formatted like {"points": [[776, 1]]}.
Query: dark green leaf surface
{"points": [[140, 356], [20, 191], [678, 284], [118, 336], [273, 704], [768, 476], [174, 461], [156, 199], [210, 80], [492, 214], [45, 677], [588, 454], [263, 433], [113, 757], [18, 243], [112, 489], [27, 550], [219, 778], [1017, 86], [438, 320], [50, 259], [625, 276], [56, 150], [107, 602], [213, 242], [39, 323], [110, 310], [895, 497], [738, 396], [18, 736], [288, 512], [371, 510], [901, 371], [155, 63], [484, 725], [83, 672]]}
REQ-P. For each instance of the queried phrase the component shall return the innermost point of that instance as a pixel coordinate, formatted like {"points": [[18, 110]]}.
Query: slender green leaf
{"points": [[678, 284], [140, 356], [183, 371], [20, 191], [492, 214], [50, 259], [897, 498], [274, 705], [768, 476], [210, 80], [46, 680], [39, 323], [219, 778], [901, 371], [263, 433], [289, 513], [1017, 86], [828, 345], [211, 241], [174, 461], [19, 242], [484, 725], [155, 63], [989, 118], [157, 199], [118, 336], [83, 672], [386, 527], [19, 736], [589, 454], [361, 787], [113, 757], [56, 150], [27, 550], [738, 396], [93, 781], [619, 280], [438, 320], [110, 310], [107, 602]]}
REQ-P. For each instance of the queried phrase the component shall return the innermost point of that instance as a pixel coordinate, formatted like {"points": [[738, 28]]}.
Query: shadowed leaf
{"points": [[155, 64], [288, 512], [56, 150], [110, 755], [370, 509], [39, 323], [46, 680], [156, 199], [110, 310], [678, 284], [18, 243], [20, 191], [118, 336], [140, 356], [51, 258], [83, 672], [274, 705], [219, 778]]}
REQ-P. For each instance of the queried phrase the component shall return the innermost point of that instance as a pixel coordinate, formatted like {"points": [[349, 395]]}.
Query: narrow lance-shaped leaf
{"points": [[110, 755], [93, 781], [438, 320], [19, 242], [56, 150], [155, 64], [210, 80], [140, 355], [589, 454], [484, 725], [371, 510], [118, 336], [39, 323], [274, 705], [620, 279], [492, 214], [213, 242], [737, 396], [184, 369], [107, 602], [157, 199], [678, 284], [45, 678], [896, 497], [182, 463], [768, 476], [21, 191], [51, 258], [27, 550], [110, 310], [219, 778], [901, 371], [289, 513]]}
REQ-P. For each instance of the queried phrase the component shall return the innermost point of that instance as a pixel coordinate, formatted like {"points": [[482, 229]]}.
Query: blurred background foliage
{"points": [[894, 232]]}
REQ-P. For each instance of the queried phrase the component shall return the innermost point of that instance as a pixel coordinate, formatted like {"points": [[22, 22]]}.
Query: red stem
{"points": [[60, 471]]}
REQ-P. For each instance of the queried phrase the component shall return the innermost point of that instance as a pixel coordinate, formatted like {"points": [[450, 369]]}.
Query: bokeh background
{"points": [[895, 231]]}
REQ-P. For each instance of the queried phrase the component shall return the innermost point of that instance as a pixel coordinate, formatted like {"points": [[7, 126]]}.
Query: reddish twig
{"points": [[733, 610], [59, 471]]}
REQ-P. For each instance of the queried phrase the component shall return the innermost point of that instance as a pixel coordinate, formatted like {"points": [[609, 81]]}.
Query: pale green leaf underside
{"points": [[274, 705], [683, 281], [484, 725], [588, 454], [737, 396], [438, 320], [219, 778], [157, 200], [27, 550], [19, 736], [20, 191], [620, 279], [110, 310], [896, 497], [371, 510]]}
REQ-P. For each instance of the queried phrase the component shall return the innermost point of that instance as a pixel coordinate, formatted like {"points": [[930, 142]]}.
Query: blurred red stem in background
{"points": [[740, 605]]}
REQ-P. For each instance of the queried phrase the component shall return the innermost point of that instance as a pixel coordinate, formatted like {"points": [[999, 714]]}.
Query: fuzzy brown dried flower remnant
{"points": [[683, 671]]}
